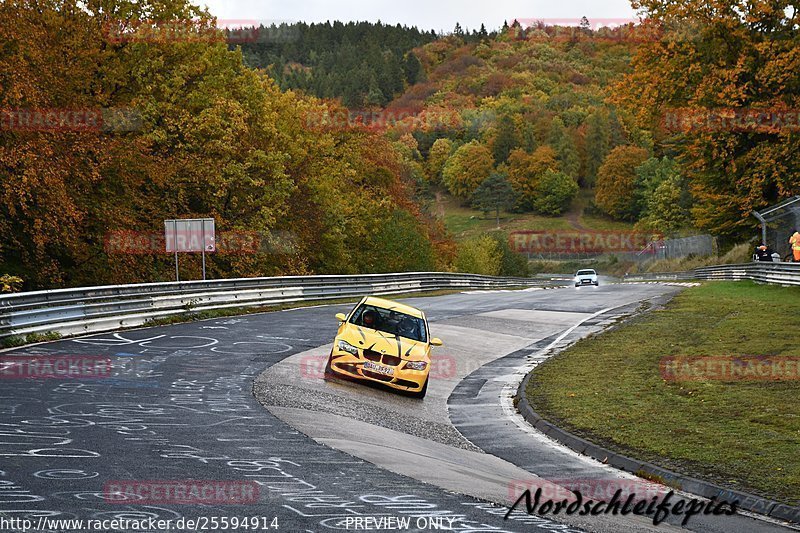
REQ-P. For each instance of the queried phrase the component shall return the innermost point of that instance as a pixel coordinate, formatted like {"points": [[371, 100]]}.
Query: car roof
{"points": [[393, 306]]}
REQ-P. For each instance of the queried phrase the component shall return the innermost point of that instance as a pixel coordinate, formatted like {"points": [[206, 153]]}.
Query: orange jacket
{"points": [[794, 240]]}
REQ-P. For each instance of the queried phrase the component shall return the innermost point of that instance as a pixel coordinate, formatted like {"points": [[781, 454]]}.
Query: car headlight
{"points": [[416, 365], [347, 347]]}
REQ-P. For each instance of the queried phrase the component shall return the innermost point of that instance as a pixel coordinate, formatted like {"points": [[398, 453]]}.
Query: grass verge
{"points": [[743, 434], [21, 340], [741, 253]]}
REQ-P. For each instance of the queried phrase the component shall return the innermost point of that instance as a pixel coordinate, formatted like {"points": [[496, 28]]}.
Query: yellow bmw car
{"points": [[384, 342]]}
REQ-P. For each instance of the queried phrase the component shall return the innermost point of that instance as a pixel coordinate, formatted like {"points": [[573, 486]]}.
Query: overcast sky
{"points": [[440, 15]]}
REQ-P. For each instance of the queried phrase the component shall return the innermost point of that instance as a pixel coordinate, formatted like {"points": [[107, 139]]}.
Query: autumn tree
{"points": [[554, 191], [649, 175], [616, 180], [210, 137], [398, 244], [693, 87], [479, 255], [437, 157], [525, 170], [10, 283], [668, 207], [469, 165], [512, 263]]}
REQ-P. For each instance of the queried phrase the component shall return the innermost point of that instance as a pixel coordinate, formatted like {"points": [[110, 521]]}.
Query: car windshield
{"points": [[586, 272], [389, 321]]}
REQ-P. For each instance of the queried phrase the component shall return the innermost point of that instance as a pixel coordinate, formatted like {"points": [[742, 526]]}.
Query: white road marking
{"points": [[513, 380]]}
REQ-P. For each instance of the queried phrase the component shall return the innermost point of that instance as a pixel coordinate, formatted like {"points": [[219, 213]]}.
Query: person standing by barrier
{"points": [[763, 253], [794, 240]]}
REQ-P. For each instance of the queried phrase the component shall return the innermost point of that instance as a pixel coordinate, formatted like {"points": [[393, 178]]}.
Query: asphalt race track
{"points": [[321, 456]]}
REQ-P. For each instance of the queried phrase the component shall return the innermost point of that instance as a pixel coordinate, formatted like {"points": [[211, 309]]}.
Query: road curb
{"points": [[747, 501]]}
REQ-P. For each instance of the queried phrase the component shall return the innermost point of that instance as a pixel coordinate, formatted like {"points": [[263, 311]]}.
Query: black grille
{"points": [[385, 358], [372, 355], [391, 360]]}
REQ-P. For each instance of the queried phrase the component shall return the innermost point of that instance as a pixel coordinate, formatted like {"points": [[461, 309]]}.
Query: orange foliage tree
{"points": [[208, 137], [525, 170], [469, 165], [616, 180], [713, 64]]}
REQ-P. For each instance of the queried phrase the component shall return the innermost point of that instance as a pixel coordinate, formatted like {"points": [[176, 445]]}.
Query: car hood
{"points": [[384, 342]]}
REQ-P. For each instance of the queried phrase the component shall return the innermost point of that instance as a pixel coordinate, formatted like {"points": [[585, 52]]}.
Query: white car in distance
{"points": [[585, 277]]}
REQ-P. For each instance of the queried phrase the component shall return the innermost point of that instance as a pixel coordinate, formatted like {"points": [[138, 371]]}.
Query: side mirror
{"points": [[341, 317], [436, 341]]}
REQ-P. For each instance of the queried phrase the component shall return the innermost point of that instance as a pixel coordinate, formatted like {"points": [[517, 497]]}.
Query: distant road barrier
{"points": [[777, 273], [95, 309], [660, 276]]}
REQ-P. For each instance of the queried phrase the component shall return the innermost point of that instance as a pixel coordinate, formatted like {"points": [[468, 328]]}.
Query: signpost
{"points": [[190, 235]]}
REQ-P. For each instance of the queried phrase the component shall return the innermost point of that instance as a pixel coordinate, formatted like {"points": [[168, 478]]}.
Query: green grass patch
{"points": [[21, 340], [596, 221], [601, 223], [469, 223], [745, 435], [464, 222]]}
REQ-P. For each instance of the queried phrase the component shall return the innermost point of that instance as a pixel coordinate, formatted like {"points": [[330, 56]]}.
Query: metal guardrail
{"points": [[660, 276], [95, 309], [777, 273]]}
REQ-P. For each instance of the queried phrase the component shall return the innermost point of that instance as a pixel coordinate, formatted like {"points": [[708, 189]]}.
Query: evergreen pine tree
{"points": [[411, 68], [564, 146], [506, 139], [598, 143]]}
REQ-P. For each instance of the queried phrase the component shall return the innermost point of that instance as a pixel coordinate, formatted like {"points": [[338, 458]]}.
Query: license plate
{"points": [[380, 369]]}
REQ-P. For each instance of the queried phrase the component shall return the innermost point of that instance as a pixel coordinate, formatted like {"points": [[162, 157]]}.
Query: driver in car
{"points": [[368, 319]]}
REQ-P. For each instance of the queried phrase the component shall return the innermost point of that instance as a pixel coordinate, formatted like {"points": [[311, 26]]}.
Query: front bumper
{"points": [[352, 366]]}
